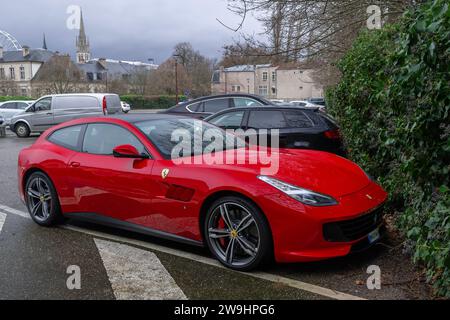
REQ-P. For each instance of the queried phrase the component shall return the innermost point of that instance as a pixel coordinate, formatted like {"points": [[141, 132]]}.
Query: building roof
{"points": [[114, 67], [35, 55], [241, 68]]}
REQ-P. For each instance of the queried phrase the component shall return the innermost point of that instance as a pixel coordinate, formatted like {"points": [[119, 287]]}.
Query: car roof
{"points": [[26, 101], [228, 95], [97, 95], [264, 108]]}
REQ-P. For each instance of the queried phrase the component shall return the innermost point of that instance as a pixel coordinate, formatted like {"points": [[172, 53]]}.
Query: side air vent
{"points": [[180, 193]]}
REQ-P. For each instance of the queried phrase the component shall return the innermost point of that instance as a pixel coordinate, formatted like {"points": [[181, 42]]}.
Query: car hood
{"points": [[317, 171], [321, 172]]}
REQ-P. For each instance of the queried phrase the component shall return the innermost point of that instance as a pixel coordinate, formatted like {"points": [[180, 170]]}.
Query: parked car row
{"points": [[299, 128], [301, 125]]}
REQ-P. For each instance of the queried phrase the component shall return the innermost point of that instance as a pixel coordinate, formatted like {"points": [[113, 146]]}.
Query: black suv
{"points": [[206, 106], [300, 128]]}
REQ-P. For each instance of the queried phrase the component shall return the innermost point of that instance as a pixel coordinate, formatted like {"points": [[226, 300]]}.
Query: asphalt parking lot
{"points": [[39, 263]]}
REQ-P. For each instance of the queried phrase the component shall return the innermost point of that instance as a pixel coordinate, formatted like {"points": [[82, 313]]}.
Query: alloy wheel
{"points": [[39, 199], [234, 234]]}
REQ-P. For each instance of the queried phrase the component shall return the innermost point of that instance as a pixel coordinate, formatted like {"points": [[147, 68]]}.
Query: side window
{"points": [[267, 120], [75, 102], [66, 137], [298, 119], [197, 107], [216, 105], [245, 102], [9, 105], [231, 120], [22, 105], [101, 139], [43, 105]]}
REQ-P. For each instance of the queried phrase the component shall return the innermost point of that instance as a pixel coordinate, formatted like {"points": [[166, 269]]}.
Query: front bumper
{"points": [[298, 230]]}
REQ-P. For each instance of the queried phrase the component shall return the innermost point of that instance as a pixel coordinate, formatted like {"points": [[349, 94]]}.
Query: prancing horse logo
{"points": [[165, 173]]}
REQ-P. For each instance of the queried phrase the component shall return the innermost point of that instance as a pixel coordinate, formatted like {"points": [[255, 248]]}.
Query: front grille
{"points": [[355, 229]]}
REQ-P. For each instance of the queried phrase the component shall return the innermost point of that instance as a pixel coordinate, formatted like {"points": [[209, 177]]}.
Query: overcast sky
{"points": [[125, 29]]}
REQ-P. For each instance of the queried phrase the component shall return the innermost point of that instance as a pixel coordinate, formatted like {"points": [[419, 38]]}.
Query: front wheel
{"points": [[238, 234], [22, 130], [42, 200]]}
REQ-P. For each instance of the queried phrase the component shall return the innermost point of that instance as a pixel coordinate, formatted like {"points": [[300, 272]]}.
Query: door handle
{"points": [[75, 164], [49, 113]]}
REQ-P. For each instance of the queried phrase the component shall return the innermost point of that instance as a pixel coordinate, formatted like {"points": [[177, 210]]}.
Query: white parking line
{"points": [[137, 274], [325, 292], [2, 220]]}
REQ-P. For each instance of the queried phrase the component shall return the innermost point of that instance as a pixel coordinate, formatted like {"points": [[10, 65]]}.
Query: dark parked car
{"points": [[300, 128], [318, 101], [206, 106]]}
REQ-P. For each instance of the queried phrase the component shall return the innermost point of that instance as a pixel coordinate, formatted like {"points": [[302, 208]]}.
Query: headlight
{"points": [[304, 196]]}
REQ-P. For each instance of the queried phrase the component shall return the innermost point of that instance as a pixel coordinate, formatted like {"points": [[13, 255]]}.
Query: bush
{"points": [[393, 104], [151, 102], [9, 98]]}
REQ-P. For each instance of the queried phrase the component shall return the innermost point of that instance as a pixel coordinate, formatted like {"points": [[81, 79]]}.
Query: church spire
{"points": [[44, 44], [83, 51]]}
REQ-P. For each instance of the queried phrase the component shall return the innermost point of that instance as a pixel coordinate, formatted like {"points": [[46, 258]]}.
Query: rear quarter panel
{"points": [[50, 159]]}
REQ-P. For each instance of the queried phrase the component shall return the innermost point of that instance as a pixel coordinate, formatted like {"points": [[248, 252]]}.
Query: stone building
{"points": [[19, 67], [286, 83]]}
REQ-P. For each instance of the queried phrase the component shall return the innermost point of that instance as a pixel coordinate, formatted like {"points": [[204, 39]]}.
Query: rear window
{"points": [[75, 102], [66, 137], [216, 105], [113, 101], [298, 119], [267, 120]]}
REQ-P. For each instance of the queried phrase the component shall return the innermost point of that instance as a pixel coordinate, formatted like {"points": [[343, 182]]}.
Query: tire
{"points": [[22, 130], [251, 234], [42, 200]]}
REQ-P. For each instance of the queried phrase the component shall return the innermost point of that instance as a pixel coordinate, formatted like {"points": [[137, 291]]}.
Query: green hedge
{"points": [[9, 98], [393, 104], [151, 102]]}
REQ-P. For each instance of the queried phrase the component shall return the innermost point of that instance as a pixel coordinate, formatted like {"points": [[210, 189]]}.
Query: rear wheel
{"points": [[42, 200], [22, 130], [238, 234]]}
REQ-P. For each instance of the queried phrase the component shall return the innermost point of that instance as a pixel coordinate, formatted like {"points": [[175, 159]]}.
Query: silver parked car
{"points": [[9, 109], [55, 109]]}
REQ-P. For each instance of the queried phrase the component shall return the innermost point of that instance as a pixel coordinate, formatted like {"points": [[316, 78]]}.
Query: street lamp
{"points": [[176, 56]]}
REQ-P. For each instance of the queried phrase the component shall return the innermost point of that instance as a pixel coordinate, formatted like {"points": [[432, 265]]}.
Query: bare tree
{"points": [[320, 31], [59, 75], [163, 79], [198, 68]]}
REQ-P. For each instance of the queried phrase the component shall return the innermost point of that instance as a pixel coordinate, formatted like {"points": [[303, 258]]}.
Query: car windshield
{"points": [[176, 138]]}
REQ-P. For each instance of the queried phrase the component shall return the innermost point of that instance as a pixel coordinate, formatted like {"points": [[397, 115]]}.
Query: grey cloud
{"points": [[125, 29]]}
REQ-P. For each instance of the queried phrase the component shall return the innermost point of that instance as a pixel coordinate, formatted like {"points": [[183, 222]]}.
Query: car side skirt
{"points": [[127, 226]]}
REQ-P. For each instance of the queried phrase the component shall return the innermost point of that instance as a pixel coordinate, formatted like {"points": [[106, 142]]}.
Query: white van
{"points": [[55, 109]]}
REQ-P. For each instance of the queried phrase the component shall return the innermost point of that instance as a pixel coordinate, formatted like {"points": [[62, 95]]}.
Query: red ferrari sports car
{"points": [[120, 171]]}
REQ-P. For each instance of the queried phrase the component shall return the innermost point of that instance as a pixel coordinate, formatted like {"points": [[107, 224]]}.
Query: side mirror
{"points": [[128, 151]]}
